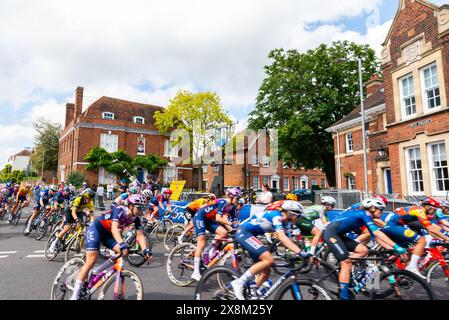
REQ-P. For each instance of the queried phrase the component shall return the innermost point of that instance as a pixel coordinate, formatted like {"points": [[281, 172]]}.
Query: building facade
{"points": [[114, 124], [407, 141], [20, 161]]}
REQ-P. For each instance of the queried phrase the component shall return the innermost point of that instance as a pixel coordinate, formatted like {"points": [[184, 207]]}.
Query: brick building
{"points": [[407, 115], [113, 124]]}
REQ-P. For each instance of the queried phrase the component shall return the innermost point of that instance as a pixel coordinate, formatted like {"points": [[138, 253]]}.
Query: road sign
{"points": [[176, 187]]}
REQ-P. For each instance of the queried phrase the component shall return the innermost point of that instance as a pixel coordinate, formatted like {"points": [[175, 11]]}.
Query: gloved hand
{"points": [[399, 250], [147, 253], [123, 246]]}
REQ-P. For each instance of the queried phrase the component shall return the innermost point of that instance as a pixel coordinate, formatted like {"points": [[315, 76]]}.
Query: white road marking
{"points": [[1, 257], [7, 252], [39, 251], [35, 256]]}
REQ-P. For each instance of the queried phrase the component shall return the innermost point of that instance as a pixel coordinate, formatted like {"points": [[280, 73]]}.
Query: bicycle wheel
{"points": [[402, 285], [171, 237], [162, 228], [130, 287], [215, 284], [15, 220], [41, 229], [295, 289], [439, 279], [180, 264], [64, 282], [48, 255], [76, 248], [135, 256]]}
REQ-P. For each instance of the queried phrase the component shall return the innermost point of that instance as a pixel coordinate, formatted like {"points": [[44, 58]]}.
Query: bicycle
{"points": [[159, 228], [216, 285], [36, 222], [110, 274], [73, 240], [16, 218], [134, 257]]}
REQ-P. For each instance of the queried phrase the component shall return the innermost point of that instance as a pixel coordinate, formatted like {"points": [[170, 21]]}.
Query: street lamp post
{"points": [[42, 167]]}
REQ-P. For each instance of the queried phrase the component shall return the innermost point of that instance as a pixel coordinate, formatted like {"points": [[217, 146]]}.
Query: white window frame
{"points": [[409, 177], [258, 182], [288, 183], [425, 90], [103, 115], [351, 182], [349, 146], [314, 182], [295, 182], [323, 185], [205, 168], [167, 175], [216, 169], [265, 161], [169, 150], [106, 144], [139, 118], [432, 167], [267, 181], [255, 160], [401, 89]]}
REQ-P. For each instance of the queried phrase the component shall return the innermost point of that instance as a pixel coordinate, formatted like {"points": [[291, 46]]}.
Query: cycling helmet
{"points": [[16, 186], [28, 186], [136, 199], [5, 191], [431, 202], [147, 193], [445, 203], [133, 190], [168, 191], [123, 181], [66, 189], [234, 193], [54, 188], [382, 198], [88, 193], [210, 196], [292, 197], [373, 202], [328, 200], [8, 184], [293, 207]]}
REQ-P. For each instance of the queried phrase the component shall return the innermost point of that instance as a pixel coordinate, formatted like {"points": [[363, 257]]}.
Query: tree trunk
{"points": [[329, 168]]}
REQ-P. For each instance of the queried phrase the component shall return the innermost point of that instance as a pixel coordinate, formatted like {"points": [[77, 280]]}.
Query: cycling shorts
{"points": [[250, 243], [339, 245], [96, 235], [22, 198], [403, 236], [69, 219], [202, 224]]}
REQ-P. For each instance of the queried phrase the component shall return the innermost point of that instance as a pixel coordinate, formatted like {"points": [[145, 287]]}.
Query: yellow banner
{"points": [[177, 187]]}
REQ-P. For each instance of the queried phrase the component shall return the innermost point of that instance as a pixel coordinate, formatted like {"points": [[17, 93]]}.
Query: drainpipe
{"points": [[338, 159]]}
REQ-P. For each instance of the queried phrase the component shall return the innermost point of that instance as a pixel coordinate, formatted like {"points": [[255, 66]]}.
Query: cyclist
{"points": [[358, 205], [305, 222], [74, 213], [158, 202], [42, 202], [274, 219], [24, 196], [190, 211], [9, 195], [405, 225], [340, 245], [107, 229], [214, 217], [59, 199], [3, 199], [123, 187]]}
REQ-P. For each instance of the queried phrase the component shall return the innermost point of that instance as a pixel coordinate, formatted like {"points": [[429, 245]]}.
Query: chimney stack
{"points": [[373, 84], [69, 113], [78, 101]]}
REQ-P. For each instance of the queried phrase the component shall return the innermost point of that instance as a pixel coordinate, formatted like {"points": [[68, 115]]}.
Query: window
{"points": [[109, 142], [431, 87], [349, 143], [255, 159], [438, 162], [408, 96], [108, 115], [265, 180], [323, 183], [139, 120], [295, 183], [265, 161], [351, 183], [415, 175], [205, 169], [314, 183], [216, 168], [256, 182], [169, 149], [286, 184], [169, 174]]}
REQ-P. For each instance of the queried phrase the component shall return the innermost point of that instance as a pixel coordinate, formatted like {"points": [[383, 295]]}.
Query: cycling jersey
{"points": [[81, 203], [353, 221], [263, 222], [314, 212], [159, 199], [44, 195], [60, 198], [205, 218], [354, 207], [407, 215], [23, 192], [197, 204], [120, 199]]}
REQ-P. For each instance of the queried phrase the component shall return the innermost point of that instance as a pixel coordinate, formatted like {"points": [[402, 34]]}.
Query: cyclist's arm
{"points": [[141, 239], [74, 215], [222, 219], [436, 231], [379, 223], [385, 242], [287, 242], [364, 236], [116, 232]]}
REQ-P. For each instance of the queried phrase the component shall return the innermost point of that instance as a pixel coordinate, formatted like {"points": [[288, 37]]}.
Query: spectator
{"points": [[266, 196], [110, 190], [100, 195], [123, 187]]}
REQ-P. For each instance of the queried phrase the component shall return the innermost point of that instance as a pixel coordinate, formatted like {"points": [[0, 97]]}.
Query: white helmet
{"points": [[328, 200], [373, 202], [292, 206], [147, 193]]}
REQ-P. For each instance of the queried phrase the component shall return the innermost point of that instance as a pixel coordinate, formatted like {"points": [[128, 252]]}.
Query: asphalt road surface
{"points": [[26, 275]]}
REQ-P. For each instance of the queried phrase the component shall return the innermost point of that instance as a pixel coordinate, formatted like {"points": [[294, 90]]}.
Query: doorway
{"points": [[388, 184]]}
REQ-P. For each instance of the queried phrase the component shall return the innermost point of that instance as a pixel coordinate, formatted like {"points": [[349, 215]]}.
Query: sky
{"points": [[147, 50]]}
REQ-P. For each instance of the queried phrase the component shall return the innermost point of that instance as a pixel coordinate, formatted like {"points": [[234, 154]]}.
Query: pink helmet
{"points": [[234, 192], [136, 199], [4, 191]]}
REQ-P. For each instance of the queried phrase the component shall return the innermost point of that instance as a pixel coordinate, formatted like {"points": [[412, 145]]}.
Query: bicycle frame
{"points": [[106, 270], [435, 255]]}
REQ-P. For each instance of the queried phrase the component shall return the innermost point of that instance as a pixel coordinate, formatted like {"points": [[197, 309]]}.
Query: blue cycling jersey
{"points": [[59, 197], [263, 222], [354, 207], [44, 195], [353, 220]]}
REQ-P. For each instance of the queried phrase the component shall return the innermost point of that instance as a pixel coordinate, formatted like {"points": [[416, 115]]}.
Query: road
{"points": [[26, 275]]}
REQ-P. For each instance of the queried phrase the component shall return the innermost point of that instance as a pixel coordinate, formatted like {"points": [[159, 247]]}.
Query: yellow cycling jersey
{"points": [[23, 192], [81, 204]]}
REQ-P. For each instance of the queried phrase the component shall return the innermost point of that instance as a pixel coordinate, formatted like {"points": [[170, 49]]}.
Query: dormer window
{"points": [[139, 120], [108, 116]]}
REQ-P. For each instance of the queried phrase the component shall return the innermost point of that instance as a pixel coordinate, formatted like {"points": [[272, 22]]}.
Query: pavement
{"points": [[26, 275]]}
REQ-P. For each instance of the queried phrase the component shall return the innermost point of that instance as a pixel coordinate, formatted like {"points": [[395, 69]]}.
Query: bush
{"points": [[76, 178]]}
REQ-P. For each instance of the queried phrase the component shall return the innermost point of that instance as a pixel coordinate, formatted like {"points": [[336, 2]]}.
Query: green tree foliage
{"points": [[76, 178], [16, 176], [47, 145], [100, 158], [305, 93]]}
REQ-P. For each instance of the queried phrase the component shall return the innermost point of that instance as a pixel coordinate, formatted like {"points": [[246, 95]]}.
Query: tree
{"points": [[47, 145], [197, 113], [305, 93], [76, 179]]}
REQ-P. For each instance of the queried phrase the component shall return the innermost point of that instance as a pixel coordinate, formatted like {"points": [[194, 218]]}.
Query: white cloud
{"points": [[111, 47]]}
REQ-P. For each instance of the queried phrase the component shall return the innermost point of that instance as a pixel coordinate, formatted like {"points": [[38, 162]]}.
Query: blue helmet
{"points": [[8, 184]]}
